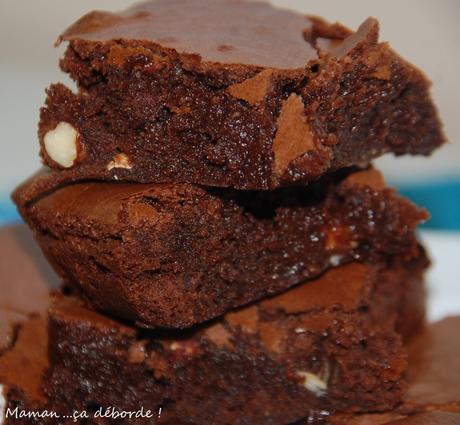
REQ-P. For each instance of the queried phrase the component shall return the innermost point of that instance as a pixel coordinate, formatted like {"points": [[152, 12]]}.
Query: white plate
{"points": [[443, 279]]}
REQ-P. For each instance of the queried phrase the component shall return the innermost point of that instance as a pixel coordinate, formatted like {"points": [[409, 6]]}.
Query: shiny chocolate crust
{"points": [[233, 94], [173, 255], [322, 346]]}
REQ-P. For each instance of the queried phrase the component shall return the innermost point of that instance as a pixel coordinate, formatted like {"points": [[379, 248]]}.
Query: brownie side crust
{"points": [[199, 30], [319, 347], [153, 107], [172, 255]]}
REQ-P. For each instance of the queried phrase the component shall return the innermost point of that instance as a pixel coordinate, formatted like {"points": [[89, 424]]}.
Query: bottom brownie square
{"points": [[327, 345]]}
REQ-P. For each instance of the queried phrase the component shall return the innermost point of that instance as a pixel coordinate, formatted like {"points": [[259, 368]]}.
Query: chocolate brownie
{"points": [[324, 345], [22, 386], [439, 339], [172, 255], [230, 93], [433, 376]]}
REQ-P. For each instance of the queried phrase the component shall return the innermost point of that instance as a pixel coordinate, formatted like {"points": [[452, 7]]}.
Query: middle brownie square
{"points": [[173, 255]]}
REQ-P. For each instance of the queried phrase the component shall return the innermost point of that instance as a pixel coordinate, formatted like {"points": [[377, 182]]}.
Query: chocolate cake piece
{"points": [[438, 345], [440, 339], [230, 93], [172, 255], [432, 374], [325, 345]]}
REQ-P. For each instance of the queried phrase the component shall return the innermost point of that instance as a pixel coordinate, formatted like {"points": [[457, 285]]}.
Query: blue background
{"points": [[440, 198]]}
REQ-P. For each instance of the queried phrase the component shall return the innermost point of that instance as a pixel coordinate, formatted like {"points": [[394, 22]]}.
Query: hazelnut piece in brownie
{"points": [[172, 255], [322, 346], [230, 93]]}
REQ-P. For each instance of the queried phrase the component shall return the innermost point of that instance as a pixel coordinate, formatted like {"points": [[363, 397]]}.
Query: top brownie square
{"points": [[231, 94]]}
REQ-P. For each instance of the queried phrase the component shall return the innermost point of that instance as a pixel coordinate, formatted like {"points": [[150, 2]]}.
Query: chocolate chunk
{"points": [[254, 89]]}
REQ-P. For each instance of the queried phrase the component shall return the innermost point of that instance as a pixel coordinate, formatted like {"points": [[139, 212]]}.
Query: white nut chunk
{"points": [[61, 144], [313, 383], [120, 160]]}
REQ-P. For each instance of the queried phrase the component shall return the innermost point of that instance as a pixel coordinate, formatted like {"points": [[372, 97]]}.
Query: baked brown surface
{"points": [[300, 353], [173, 255], [230, 93], [199, 29]]}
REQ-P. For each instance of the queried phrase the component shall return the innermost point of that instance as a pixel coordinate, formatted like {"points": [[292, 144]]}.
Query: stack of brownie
{"points": [[228, 252]]}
